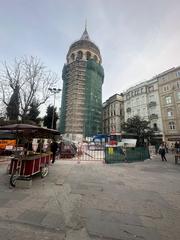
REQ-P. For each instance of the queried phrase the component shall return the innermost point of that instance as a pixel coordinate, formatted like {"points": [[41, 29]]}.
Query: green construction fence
{"points": [[115, 154]]}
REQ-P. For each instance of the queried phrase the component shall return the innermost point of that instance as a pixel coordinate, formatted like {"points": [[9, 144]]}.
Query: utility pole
{"points": [[54, 91]]}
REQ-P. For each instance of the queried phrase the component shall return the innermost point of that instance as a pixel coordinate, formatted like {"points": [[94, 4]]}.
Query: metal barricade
{"points": [[114, 154]]}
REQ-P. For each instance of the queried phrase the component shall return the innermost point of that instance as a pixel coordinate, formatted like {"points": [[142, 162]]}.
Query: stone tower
{"points": [[83, 75]]}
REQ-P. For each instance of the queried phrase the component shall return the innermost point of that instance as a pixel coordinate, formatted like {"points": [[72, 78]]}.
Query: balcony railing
{"points": [[152, 104], [128, 110], [153, 116]]}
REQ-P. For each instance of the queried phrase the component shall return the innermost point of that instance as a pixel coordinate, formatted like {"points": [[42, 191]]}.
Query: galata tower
{"points": [[83, 76]]}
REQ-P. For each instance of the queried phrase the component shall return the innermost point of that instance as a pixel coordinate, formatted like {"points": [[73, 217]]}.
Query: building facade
{"points": [[156, 100], [135, 102], [143, 100], [83, 75], [169, 92], [113, 114]]}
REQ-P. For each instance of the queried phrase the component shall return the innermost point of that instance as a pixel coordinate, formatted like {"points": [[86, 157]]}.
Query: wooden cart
{"points": [[25, 166]]}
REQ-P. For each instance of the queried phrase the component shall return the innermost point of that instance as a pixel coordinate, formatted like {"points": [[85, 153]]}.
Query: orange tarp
{"points": [[4, 143]]}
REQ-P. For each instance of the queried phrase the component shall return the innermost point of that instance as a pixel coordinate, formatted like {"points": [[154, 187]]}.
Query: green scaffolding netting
{"points": [[63, 102], [94, 76], [93, 100]]}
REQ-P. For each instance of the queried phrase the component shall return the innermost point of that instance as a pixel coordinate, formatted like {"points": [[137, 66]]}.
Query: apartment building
{"points": [[113, 114], [143, 100], [169, 92]]}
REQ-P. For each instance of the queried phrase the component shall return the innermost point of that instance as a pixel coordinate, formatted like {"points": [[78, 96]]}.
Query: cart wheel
{"points": [[44, 171], [13, 178]]}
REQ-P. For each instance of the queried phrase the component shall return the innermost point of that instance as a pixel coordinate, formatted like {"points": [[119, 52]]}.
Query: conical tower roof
{"points": [[84, 43], [85, 35]]}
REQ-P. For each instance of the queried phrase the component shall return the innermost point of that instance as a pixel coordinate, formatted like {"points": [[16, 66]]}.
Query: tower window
{"points": [[95, 58], [80, 55], [88, 55], [72, 56]]}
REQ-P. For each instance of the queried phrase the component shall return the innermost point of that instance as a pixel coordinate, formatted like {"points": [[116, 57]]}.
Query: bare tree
{"points": [[33, 80]]}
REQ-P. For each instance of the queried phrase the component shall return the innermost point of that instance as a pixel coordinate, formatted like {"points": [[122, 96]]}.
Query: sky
{"points": [[138, 39]]}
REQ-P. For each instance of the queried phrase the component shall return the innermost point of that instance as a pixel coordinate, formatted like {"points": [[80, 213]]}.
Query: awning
{"points": [[30, 131]]}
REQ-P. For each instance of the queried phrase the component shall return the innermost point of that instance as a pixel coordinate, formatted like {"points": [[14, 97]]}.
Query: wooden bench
{"points": [[177, 157]]}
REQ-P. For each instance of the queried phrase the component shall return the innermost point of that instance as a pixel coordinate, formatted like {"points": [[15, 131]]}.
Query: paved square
{"points": [[95, 201]]}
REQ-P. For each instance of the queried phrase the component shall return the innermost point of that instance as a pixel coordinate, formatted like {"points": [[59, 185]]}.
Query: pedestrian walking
{"points": [[166, 147], [172, 148], [54, 147], [156, 148], [177, 147], [162, 152], [61, 148]]}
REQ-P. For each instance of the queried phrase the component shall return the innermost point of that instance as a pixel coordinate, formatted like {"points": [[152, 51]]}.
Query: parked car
{"points": [[67, 150]]}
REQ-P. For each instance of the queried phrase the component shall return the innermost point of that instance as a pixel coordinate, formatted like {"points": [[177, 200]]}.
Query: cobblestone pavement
{"points": [[93, 201]]}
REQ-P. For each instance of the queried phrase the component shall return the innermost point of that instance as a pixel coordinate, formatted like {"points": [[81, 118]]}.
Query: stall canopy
{"points": [[29, 130]]}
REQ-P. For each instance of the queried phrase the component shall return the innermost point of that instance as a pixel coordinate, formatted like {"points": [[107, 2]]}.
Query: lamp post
{"points": [[54, 91]]}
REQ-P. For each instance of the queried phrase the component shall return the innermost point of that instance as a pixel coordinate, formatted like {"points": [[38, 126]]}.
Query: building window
{"points": [[155, 127], [152, 110], [170, 113], [166, 88], [172, 125], [151, 88], [164, 78], [168, 100], [151, 98], [178, 95], [178, 84], [137, 101], [178, 73]]}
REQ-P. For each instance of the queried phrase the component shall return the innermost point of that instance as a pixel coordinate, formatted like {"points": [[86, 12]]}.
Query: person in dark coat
{"points": [[28, 146], [162, 152], [177, 147], [40, 146], [54, 148]]}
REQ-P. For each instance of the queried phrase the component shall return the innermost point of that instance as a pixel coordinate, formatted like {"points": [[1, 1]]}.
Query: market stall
{"points": [[25, 161]]}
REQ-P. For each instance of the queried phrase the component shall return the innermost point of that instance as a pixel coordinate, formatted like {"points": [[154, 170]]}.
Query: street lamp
{"points": [[54, 91]]}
